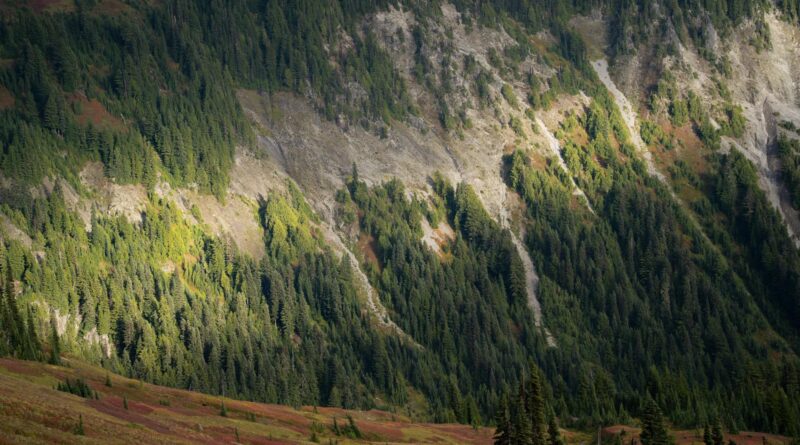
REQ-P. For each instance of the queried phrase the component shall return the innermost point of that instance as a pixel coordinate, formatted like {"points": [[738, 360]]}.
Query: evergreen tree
{"points": [[55, 342], [521, 419], [79, 428], [504, 431], [653, 430], [12, 322], [33, 344], [553, 433], [717, 436], [536, 407]]}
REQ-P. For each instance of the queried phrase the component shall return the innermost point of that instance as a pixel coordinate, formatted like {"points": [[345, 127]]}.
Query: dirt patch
{"points": [[8, 228], [593, 30], [112, 7], [127, 200], [437, 239], [52, 5], [234, 219], [7, 99], [690, 148], [94, 112], [368, 247]]}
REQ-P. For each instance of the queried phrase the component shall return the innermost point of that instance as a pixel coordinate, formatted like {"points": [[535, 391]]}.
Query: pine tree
{"points": [[79, 428], [51, 118], [554, 435], [34, 346], [535, 408], [716, 434], [55, 343], [12, 322], [707, 435], [223, 411], [521, 420], [503, 433], [125, 402], [653, 430]]}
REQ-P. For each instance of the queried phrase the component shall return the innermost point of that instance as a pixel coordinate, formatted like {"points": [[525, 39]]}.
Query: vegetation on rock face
{"points": [[479, 291], [789, 152], [153, 90], [133, 90], [640, 275]]}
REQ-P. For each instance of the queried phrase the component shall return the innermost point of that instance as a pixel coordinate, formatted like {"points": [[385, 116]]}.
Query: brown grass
{"points": [[31, 411], [51, 5], [688, 437], [112, 8], [367, 246], [92, 111], [7, 99]]}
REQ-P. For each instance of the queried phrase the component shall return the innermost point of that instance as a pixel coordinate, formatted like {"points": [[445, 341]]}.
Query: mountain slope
{"points": [[239, 198], [34, 412]]}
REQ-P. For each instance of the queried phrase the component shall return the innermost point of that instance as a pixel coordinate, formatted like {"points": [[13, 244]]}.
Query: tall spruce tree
{"points": [[55, 343], [717, 436], [33, 345], [653, 430], [535, 407], [553, 434], [503, 432], [523, 430]]}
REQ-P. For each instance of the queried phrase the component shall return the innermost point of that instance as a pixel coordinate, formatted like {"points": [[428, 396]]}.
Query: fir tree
{"points": [[503, 432], [521, 419], [55, 343], [553, 433], [79, 428], [33, 345], [535, 407], [717, 436], [653, 430]]}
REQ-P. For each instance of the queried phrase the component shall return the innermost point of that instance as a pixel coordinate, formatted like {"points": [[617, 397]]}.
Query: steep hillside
{"points": [[411, 206]]}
